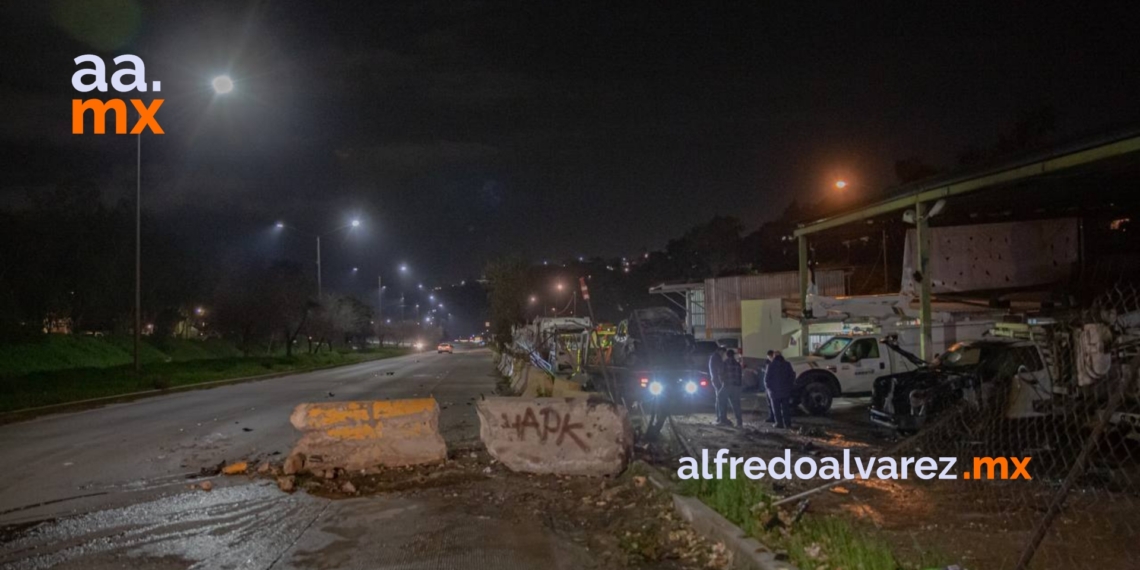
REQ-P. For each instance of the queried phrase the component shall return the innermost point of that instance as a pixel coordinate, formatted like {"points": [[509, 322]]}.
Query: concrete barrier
{"points": [[565, 436], [359, 435]]}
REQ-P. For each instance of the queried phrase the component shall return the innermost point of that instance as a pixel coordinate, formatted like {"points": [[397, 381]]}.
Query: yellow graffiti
{"points": [[392, 408], [358, 421], [340, 413]]}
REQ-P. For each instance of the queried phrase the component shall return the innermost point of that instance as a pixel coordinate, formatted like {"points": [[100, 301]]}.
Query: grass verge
{"points": [[812, 542], [46, 388]]}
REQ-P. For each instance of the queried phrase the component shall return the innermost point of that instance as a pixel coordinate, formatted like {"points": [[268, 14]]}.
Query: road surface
{"points": [[108, 488]]}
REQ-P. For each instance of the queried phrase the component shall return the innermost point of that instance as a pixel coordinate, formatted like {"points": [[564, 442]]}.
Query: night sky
{"points": [[462, 130]]}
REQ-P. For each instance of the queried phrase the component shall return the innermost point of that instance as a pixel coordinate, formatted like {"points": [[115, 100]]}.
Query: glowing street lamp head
{"points": [[280, 225], [222, 84], [403, 268], [356, 223], [840, 184]]}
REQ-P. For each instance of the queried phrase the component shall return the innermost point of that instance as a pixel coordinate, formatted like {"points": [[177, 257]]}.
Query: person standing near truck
{"points": [[778, 381], [768, 392], [732, 378], [716, 373]]}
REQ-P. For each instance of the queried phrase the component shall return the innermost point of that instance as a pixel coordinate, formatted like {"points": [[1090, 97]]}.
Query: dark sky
{"points": [[459, 130]]}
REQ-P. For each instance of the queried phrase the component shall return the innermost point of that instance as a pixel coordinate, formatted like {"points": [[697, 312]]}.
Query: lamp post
{"points": [[222, 85], [380, 291], [350, 225]]}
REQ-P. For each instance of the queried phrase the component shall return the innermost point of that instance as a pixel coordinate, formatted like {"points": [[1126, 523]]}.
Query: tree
{"points": [[241, 308], [508, 280], [287, 290], [339, 318]]}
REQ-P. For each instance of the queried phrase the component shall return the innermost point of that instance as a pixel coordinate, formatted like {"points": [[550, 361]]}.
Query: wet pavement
{"points": [[109, 487]]}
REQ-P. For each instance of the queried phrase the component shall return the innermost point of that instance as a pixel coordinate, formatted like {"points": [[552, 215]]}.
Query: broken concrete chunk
{"points": [[286, 484], [563, 436], [294, 464], [363, 434]]}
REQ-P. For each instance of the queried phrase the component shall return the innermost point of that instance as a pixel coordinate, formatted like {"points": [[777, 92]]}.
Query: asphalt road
{"points": [[107, 488]]}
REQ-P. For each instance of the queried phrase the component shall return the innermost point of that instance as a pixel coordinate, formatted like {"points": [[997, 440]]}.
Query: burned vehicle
{"points": [[1002, 377]]}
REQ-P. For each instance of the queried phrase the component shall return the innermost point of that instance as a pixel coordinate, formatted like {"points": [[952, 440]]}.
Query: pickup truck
{"points": [[846, 365]]}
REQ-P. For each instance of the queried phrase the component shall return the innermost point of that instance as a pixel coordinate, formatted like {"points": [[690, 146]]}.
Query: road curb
{"points": [[80, 405], [747, 552]]}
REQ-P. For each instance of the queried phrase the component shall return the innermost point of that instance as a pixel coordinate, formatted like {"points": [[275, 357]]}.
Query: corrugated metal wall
{"points": [[723, 294]]}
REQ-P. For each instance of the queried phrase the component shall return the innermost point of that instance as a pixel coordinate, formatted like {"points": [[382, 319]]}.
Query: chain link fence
{"points": [[1058, 397]]}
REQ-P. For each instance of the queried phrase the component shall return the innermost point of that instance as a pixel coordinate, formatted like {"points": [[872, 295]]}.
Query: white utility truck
{"points": [[848, 364]]}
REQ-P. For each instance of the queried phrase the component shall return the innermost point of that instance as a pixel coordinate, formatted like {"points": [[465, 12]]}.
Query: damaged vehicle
{"points": [[654, 364], [1002, 376]]}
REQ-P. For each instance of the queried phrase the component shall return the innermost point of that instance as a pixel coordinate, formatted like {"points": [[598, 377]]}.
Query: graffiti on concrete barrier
{"points": [[552, 424]]}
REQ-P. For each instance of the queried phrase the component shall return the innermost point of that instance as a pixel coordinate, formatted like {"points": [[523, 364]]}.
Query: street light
{"points": [[222, 84], [353, 224], [840, 184]]}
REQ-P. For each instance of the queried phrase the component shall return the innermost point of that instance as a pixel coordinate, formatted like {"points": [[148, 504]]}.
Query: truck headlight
{"points": [[690, 387], [656, 388]]}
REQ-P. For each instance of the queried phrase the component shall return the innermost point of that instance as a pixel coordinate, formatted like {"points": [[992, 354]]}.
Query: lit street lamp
{"points": [[222, 84], [840, 184], [353, 224]]}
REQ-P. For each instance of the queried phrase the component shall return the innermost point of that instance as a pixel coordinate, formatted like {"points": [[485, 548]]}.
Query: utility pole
{"points": [[318, 267], [138, 258], [886, 266], [380, 298]]}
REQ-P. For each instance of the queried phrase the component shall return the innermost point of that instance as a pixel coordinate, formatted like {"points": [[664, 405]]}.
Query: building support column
{"points": [[804, 280], [922, 249]]}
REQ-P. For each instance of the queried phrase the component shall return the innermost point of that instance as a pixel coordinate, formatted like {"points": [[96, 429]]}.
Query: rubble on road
{"points": [[286, 483], [294, 464], [627, 522], [235, 468]]}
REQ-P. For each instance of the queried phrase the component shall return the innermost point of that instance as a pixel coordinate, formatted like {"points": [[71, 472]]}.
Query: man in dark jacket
{"points": [[778, 381], [732, 377], [716, 376], [768, 395]]}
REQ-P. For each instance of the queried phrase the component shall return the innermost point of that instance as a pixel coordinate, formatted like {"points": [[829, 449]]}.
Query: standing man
{"points": [[768, 390], [732, 375], [716, 374], [778, 380]]}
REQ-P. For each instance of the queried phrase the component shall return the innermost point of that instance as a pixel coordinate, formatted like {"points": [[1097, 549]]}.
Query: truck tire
{"points": [[816, 398]]}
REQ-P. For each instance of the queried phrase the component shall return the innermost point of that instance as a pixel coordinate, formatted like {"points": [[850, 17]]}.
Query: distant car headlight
{"points": [[690, 387], [656, 388]]}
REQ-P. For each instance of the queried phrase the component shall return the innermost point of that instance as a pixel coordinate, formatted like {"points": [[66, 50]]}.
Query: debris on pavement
{"points": [[286, 483], [206, 486], [212, 470], [236, 468], [626, 522], [294, 464]]}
